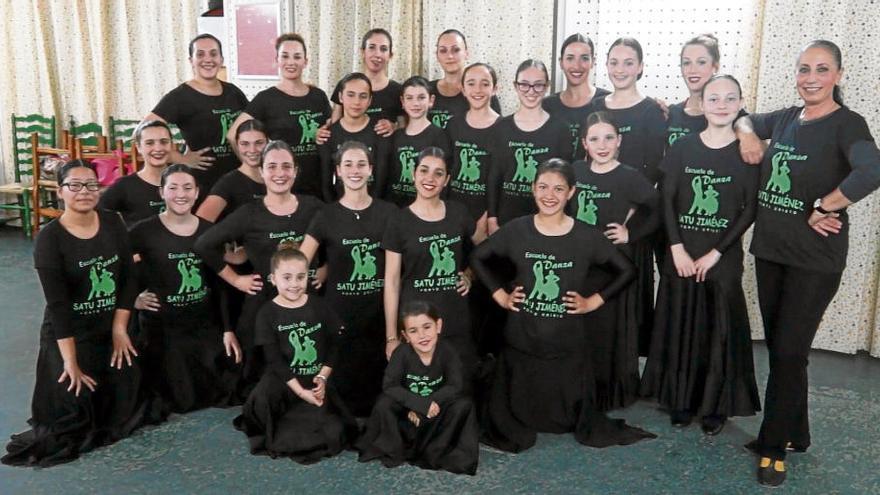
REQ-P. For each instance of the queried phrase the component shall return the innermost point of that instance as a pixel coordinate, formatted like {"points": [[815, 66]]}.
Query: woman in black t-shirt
{"points": [[244, 184], [542, 380], [259, 227], [618, 201], [184, 326], [576, 59], [700, 362], [385, 108], [87, 381], [203, 108], [528, 137], [292, 111], [452, 54], [408, 141], [821, 159], [136, 196], [355, 95], [349, 231], [426, 252]]}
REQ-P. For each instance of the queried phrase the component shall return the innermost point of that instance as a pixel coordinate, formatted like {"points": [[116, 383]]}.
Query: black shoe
{"points": [[712, 425], [771, 472], [790, 447], [680, 418]]}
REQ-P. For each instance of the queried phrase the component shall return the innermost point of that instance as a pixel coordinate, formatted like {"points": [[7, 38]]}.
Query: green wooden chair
{"points": [[89, 134], [121, 129], [22, 158]]}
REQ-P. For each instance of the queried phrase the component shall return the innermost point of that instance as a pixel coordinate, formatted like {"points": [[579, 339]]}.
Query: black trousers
{"points": [[792, 302]]}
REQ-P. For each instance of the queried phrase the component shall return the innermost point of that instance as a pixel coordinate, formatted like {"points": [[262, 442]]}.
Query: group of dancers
{"points": [[407, 273]]}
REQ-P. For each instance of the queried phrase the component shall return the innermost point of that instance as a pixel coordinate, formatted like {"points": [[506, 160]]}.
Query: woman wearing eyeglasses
{"points": [[87, 380], [525, 139]]}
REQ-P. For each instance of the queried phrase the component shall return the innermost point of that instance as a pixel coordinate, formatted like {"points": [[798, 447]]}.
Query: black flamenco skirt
{"points": [[701, 351], [531, 394], [189, 366], [358, 377], [280, 424], [253, 363], [642, 255], [612, 341], [447, 442], [63, 426]]}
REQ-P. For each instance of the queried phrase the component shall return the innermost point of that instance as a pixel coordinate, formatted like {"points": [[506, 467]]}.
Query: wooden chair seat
{"points": [[15, 188]]}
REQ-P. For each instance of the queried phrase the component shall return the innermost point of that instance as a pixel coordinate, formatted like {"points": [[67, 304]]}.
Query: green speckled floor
{"points": [[202, 453]]}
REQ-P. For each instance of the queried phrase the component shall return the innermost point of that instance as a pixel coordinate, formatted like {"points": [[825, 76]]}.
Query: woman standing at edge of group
{"points": [[87, 381], [350, 231], [821, 159], [292, 111], [524, 139], [203, 108], [542, 380], [452, 54], [572, 105]]}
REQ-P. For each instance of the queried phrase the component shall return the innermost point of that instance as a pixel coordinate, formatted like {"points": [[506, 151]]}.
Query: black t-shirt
{"points": [[448, 107], [574, 117], [399, 188], [606, 198], [806, 161], [379, 155], [356, 263], [260, 232], [172, 270], [414, 385], [385, 103], [84, 280], [295, 120], [433, 253], [546, 268], [709, 196], [643, 129], [298, 342], [204, 121], [134, 198], [472, 153], [680, 124], [517, 156], [237, 189]]}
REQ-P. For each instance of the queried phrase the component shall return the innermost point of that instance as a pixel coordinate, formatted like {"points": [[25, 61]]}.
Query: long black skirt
{"points": [[612, 336], [701, 351], [530, 394], [643, 302], [189, 369], [280, 424], [63, 426], [358, 377], [448, 442]]}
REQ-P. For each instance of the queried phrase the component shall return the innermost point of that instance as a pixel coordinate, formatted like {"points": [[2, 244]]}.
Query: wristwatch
{"points": [[817, 205]]}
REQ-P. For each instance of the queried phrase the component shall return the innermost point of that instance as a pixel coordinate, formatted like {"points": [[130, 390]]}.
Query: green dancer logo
{"points": [[102, 283], [190, 276], [546, 285], [779, 181], [440, 120], [443, 263], [304, 353], [309, 129], [364, 263], [705, 199], [407, 166], [226, 120], [420, 388], [675, 136], [526, 166], [587, 210], [470, 166]]}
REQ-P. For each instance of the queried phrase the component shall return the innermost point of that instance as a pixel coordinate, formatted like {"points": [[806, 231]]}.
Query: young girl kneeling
{"points": [[291, 412], [421, 416]]}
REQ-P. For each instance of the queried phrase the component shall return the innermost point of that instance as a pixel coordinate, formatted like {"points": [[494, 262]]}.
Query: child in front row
{"points": [[292, 412], [421, 416]]}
